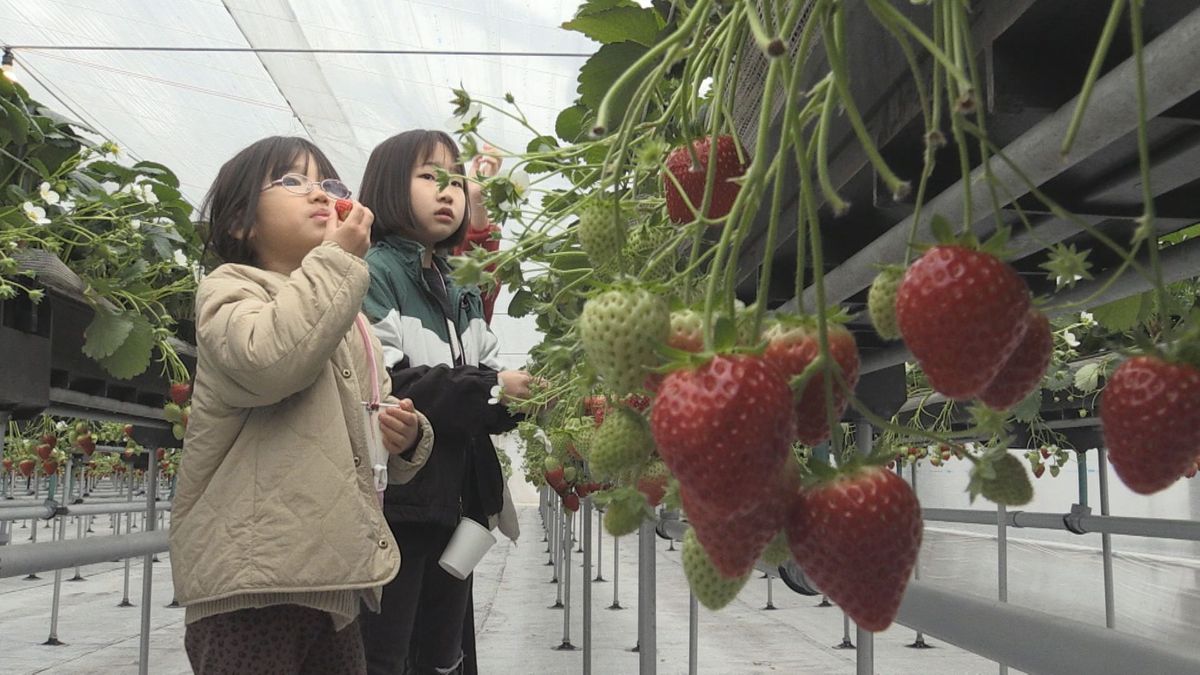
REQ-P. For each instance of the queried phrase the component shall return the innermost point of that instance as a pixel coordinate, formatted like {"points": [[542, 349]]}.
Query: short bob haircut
{"points": [[387, 179], [230, 207]]}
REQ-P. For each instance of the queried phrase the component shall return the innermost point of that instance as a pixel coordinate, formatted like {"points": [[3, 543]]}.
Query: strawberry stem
{"points": [[1146, 221], [1093, 73]]}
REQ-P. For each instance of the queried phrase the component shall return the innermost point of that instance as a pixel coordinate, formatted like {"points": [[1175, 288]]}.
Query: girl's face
{"points": [[437, 213], [287, 225]]}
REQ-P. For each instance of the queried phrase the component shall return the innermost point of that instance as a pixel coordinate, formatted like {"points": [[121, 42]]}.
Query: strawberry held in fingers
{"points": [[857, 537], [962, 313], [343, 208], [724, 427], [1150, 410]]}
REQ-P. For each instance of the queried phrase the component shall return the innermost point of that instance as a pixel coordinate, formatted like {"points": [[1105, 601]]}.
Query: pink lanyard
{"points": [[373, 404]]}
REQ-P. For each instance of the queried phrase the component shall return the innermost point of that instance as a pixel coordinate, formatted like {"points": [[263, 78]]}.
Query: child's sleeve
{"points": [[270, 348]]}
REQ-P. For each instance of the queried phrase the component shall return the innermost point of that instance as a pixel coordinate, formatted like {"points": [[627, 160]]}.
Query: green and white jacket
{"points": [[445, 359]]}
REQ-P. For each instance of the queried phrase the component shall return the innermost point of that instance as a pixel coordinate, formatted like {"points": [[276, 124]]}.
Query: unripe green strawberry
{"points": [[710, 588], [601, 233], [621, 445], [1009, 485], [881, 301], [624, 515], [620, 331], [650, 252], [777, 552], [687, 330]]}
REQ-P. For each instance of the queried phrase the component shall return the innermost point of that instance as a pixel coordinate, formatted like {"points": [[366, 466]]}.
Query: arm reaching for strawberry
{"points": [[484, 165]]}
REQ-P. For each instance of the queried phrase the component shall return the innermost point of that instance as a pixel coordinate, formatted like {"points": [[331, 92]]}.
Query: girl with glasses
{"points": [[277, 537]]}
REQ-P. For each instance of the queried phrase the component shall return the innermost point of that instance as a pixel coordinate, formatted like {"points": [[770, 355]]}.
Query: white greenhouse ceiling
{"points": [[194, 110]]}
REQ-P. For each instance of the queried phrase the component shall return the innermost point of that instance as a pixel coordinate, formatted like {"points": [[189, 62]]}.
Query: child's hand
{"points": [[486, 164], [514, 385], [354, 233], [401, 427]]}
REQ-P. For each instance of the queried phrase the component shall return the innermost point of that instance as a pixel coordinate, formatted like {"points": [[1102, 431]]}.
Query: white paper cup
{"points": [[466, 548]]}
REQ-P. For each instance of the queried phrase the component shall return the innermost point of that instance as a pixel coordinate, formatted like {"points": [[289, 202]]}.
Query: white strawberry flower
{"points": [[148, 195], [35, 213], [495, 395], [1087, 319], [135, 224], [48, 195], [1070, 339], [67, 205], [180, 258], [520, 182]]}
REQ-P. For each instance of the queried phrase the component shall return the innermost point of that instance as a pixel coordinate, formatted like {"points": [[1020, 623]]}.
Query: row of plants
{"points": [[658, 385]]}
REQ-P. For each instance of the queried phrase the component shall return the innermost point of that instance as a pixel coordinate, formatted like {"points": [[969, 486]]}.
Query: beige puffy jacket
{"points": [[275, 493]]}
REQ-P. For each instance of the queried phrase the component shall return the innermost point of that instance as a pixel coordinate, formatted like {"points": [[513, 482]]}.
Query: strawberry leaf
{"points": [[106, 333], [1087, 378], [942, 231], [602, 70], [618, 24], [1120, 315], [133, 356]]}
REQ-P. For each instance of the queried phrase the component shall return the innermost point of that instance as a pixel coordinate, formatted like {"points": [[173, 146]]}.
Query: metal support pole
{"points": [[1110, 610], [919, 642], [846, 643], [565, 575], [599, 545], [1081, 457], [865, 662], [61, 535], [770, 596], [647, 614], [128, 483], [693, 634], [147, 577], [616, 573], [587, 587], [78, 520], [824, 601], [1002, 561]]}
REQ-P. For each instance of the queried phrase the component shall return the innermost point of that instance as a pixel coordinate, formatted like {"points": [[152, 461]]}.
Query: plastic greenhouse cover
{"points": [[192, 111]]}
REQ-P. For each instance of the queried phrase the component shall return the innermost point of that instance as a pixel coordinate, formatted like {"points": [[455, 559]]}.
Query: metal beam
{"points": [[1083, 523], [31, 558], [1033, 641], [1171, 64]]}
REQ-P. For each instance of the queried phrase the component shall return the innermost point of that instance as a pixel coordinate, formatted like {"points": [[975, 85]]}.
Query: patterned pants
{"points": [[275, 640]]}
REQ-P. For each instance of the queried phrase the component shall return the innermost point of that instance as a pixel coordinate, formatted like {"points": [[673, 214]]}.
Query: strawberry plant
{"points": [[124, 229]]}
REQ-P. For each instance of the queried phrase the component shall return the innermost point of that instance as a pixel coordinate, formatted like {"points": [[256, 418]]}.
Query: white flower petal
{"points": [[180, 258]]}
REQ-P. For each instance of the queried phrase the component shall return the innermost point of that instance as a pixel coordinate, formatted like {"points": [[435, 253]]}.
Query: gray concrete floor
{"points": [[517, 632]]}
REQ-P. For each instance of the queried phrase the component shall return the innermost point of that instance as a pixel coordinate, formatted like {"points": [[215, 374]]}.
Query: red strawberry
{"points": [[595, 406], [1038, 470], [653, 482], [181, 392], [962, 314], [128, 430], [8, 464], [692, 179], [1023, 371], [43, 451], [724, 427], [50, 440], [87, 444], [857, 538], [571, 502], [1150, 410], [26, 467], [49, 467], [160, 453], [735, 540], [790, 350], [343, 207]]}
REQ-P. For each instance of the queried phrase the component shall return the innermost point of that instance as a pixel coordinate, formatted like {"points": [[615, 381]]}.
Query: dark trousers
{"points": [[420, 628], [275, 640]]}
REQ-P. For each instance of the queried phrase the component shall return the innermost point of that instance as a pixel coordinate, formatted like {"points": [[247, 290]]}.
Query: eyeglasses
{"points": [[301, 185]]}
